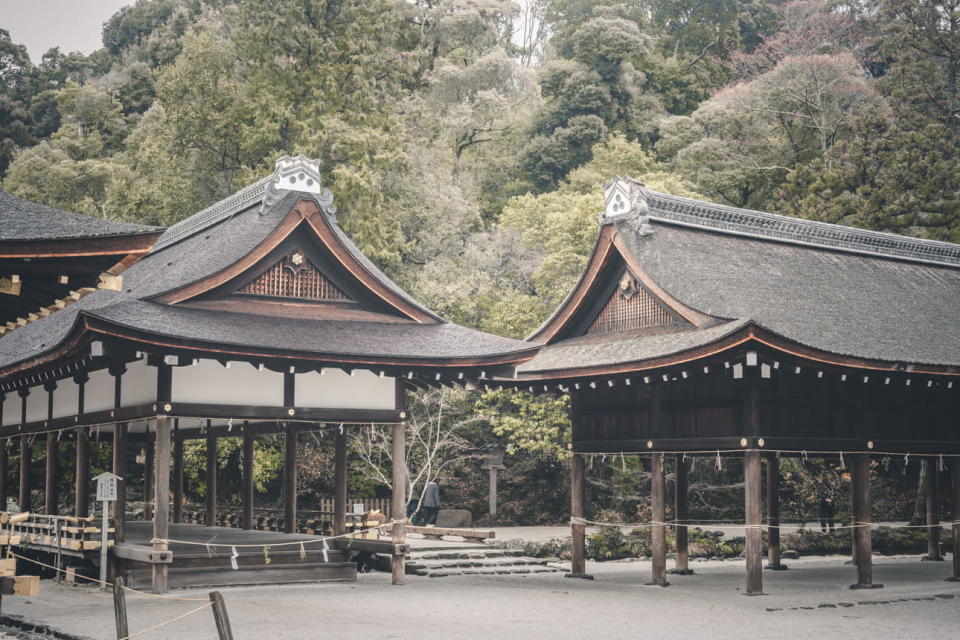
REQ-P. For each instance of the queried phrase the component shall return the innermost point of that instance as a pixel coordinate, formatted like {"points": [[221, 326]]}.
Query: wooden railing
{"points": [[52, 533], [309, 521]]}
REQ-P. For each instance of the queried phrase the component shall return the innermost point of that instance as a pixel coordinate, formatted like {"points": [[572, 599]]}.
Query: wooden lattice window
{"points": [[295, 277], [631, 307]]}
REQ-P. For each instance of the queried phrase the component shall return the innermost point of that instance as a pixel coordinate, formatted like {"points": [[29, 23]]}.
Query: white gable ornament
{"points": [[625, 198], [297, 173]]}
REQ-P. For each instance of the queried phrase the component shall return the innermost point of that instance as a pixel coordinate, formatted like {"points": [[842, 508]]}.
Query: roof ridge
{"points": [[218, 211], [777, 227]]}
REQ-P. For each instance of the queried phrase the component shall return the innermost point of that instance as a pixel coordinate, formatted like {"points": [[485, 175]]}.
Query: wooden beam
{"points": [[249, 462], [4, 463], [177, 478], [753, 548], [955, 514], [399, 500], [680, 491], [659, 515], [932, 499], [290, 482], [340, 482], [148, 467], [578, 564], [81, 507], [211, 503], [862, 517], [26, 464], [161, 500], [773, 513]]}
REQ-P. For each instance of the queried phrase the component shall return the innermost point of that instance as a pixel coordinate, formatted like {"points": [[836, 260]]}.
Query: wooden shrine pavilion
{"points": [[700, 328], [257, 315]]}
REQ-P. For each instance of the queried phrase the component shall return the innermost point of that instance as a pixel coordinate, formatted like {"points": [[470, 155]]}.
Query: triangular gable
{"points": [[295, 276], [631, 307], [597, 304]]}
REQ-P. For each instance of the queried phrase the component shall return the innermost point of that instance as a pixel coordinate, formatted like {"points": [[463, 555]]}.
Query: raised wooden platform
{"points": [[194, 566]]}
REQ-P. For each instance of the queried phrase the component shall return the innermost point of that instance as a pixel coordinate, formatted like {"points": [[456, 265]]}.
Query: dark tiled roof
{"points": [[855, 304], [622, 348], [21, 220]]}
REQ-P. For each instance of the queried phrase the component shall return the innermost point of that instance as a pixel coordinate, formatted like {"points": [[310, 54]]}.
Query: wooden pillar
{"points": [[148, 473], [932, 498], [26, 458], [860, 495], [26, 464], [211, 513], [340, 482], [248, 466], [773, 513], [398, 501], [492, 495], [578, 562], [119, 463], [161, 499], [51, 483], [955, 515], [753, 550], [177, 474], [290, 481], [658, 507], [82, 486], [680, 490], [4, 463]]}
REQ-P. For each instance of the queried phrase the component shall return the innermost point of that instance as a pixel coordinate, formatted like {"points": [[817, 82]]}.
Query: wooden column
{"points": [[398, 502], [248, 467], [26, 458], [753, 550], [4, 463], [340, 482], [680, 490], [658, 500], [773, 513], [932, 499], [161, 499], [119, 463], [26, 464], [51, 484], [863, 548], [211, 513], [148, 473], [578, 562], [290, 481], [955, 515], [82, 486], [177, 475]]}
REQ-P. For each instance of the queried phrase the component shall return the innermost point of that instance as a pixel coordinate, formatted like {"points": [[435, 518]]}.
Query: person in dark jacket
{"points": [[430, 503], [827, 511]]}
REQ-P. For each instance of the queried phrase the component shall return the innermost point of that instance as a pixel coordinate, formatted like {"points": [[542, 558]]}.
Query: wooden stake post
{"points": [[106, 493]]}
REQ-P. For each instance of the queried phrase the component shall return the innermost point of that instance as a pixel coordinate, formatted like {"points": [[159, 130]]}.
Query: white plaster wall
{"points": [[98, 392], [138, 385], [209, 382], [336, 389], [66, 398], [11, 409], [37, 404]]}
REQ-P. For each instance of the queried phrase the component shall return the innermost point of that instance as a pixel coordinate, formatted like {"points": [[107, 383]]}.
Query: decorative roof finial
{"points": [[297, 173], [625, 198]]}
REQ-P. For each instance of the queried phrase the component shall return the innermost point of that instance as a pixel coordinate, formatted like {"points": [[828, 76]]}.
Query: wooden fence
{"points": [[309, 521]]}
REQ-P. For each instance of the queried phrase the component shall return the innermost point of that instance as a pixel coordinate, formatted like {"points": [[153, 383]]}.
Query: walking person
{"points": [[431, 503], [827, 511]]}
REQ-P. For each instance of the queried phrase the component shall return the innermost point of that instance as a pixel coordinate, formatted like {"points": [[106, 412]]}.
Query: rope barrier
{"points": [[107, 584], [171, 620], [320, 540], [801, 452], [765, 527]]}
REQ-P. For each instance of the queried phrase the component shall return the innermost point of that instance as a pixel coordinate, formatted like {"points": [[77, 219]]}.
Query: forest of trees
{"points": [[466, 142]]}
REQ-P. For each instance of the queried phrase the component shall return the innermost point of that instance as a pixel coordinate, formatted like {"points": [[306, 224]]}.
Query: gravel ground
{"points": [[811, 600]]}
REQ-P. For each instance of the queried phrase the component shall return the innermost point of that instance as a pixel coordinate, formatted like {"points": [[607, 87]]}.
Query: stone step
{"points": [[488, 562], [483, 571], [465, 555]]}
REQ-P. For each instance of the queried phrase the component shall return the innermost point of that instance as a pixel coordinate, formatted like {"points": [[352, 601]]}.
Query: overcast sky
{"points": [[72, 25]]}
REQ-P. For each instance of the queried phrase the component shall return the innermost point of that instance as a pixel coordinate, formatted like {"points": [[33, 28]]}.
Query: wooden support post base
{"points": [[680, 572], [757, 593], [952, 579], [657, 584], [776, 567], [582, 576], [866, 586], [929, 559]]}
